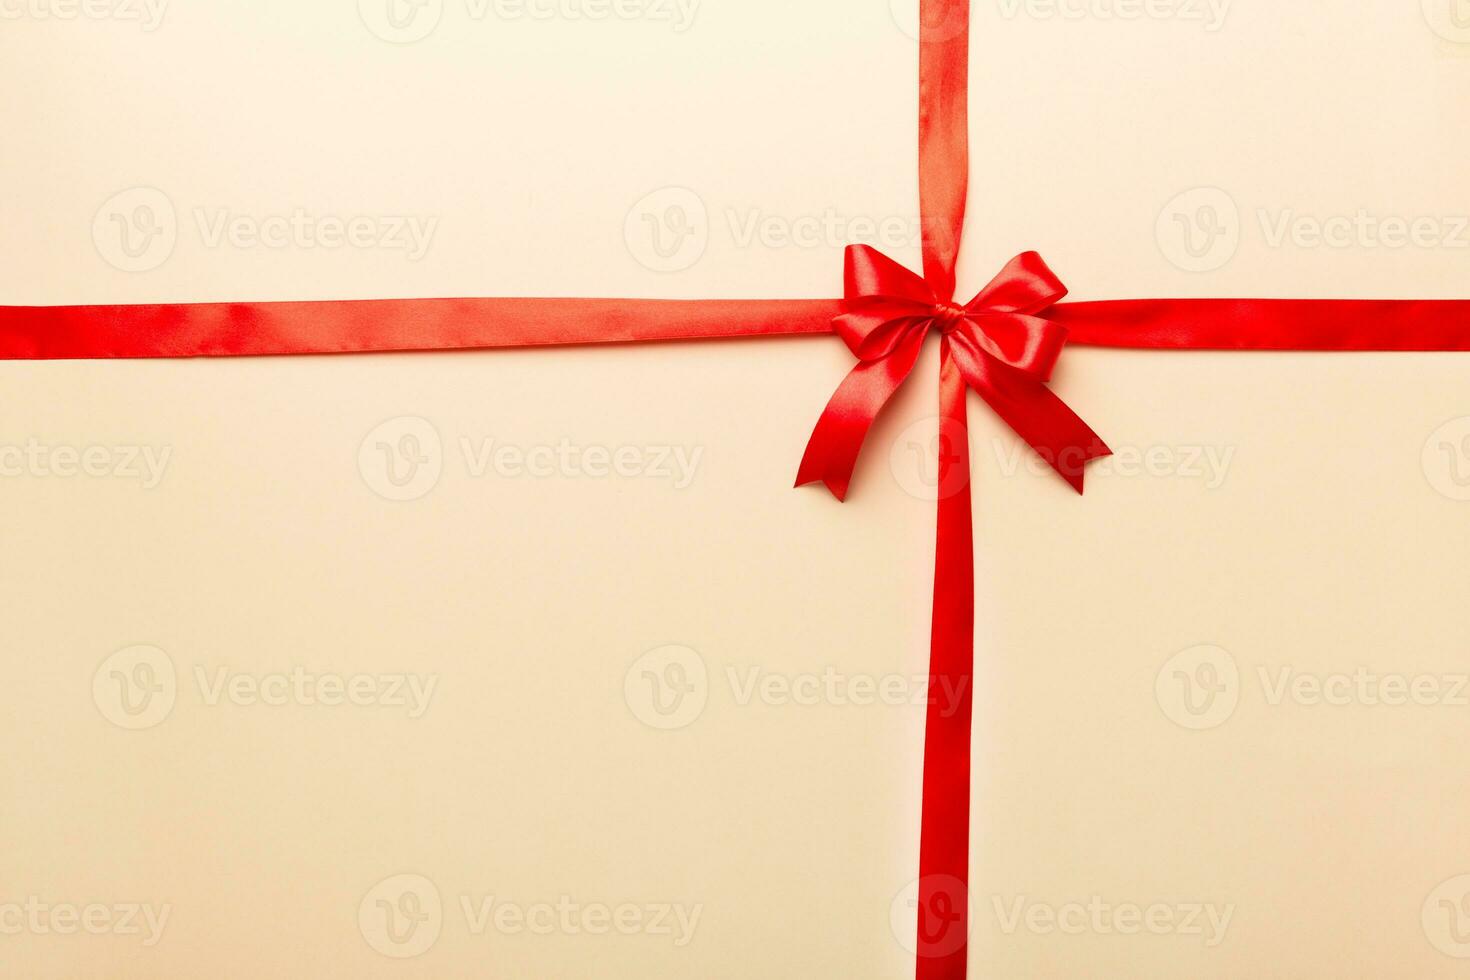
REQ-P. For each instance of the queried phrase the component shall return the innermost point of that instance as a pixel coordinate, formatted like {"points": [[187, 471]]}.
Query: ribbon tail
{"points": [[1037, 415], [944, 848], [832, 452]]}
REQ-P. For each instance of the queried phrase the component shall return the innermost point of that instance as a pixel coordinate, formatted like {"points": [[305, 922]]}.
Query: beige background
{"points": [[1329, 539]]}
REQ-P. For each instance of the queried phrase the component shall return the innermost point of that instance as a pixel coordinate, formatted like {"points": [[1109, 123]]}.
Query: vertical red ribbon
{"points": [[944, 136], [944, 848]]}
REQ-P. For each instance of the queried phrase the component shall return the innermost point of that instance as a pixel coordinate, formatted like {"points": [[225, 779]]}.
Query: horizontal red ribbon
{"points": [[361, 326], [365, 326], [1270, 324], [1003, 351]]}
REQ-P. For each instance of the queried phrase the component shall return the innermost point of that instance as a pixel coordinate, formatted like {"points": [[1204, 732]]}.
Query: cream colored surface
{"points": [[1326, 541]]}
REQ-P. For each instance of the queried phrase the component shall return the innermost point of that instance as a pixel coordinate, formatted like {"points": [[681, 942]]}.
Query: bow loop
{"points": [[870, 275], [1030, 344], [882, 303], [1025, 285], [874, 334]]}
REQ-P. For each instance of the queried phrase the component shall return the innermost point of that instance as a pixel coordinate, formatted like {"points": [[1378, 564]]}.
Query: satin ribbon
{"points": [[380, 325], [360, 326], [1002, 344]]}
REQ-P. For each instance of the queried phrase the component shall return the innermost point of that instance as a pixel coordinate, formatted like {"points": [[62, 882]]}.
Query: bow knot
{"points": [[1000, 342], [948, 316]]}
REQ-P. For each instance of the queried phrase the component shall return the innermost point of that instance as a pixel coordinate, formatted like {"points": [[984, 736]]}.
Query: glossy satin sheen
{"points": [[1003, 344], [378, 325]]}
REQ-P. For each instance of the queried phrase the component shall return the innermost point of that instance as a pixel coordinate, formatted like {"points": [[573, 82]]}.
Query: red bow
{"points": [[1001, 344]]}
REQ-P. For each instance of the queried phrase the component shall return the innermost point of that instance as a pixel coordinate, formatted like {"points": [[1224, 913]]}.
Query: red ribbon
{"points": [[999, 342], [1002, 344]]}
